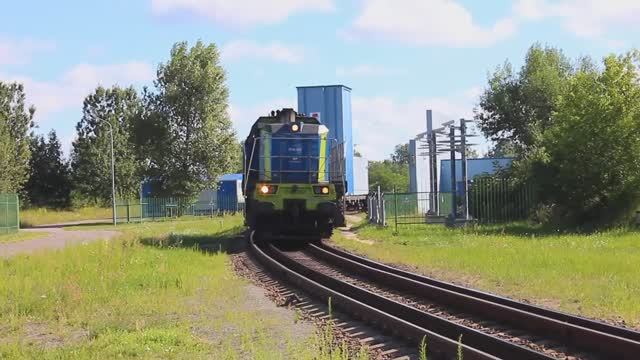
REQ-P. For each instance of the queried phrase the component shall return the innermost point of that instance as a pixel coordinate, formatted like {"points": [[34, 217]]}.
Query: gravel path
{"points": [[56, 238]]}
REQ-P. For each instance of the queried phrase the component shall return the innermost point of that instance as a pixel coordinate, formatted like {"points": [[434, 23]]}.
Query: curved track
{"points": [[413, 306]]}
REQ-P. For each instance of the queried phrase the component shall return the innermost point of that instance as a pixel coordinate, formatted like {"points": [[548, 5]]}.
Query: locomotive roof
{"points": [[284, 116]]}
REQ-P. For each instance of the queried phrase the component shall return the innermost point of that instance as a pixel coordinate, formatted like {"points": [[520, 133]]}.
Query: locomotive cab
{"points": [[293, 178]]}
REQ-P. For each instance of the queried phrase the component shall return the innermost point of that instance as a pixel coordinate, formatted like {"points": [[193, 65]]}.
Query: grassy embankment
{"points": [[596, 275], [148, 294], [42, 216]]}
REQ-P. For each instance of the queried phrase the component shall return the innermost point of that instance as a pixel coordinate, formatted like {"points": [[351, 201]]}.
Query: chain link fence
{"points": [[9, 213]]}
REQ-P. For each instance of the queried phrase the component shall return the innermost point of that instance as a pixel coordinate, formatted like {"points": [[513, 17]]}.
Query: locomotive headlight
{"points": [[295, 128], [321, 190], [268, 189]]}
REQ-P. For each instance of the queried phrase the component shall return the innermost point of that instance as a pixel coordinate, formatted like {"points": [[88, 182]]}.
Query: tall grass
{"points": [[150, 294], [42, 216], [20, 236], [595, 275]]}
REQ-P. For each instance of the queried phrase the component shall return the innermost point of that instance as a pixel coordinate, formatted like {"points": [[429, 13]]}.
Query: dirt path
{"points": [[56, 238]]}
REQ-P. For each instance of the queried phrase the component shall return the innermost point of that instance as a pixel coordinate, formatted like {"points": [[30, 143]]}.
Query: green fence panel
{"points": [[495, 200], [161, 208], [9, 213]]}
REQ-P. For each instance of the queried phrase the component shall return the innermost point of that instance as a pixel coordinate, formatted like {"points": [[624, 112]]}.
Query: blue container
{"points": [[332, 106], [475, 167], [229, 192]]}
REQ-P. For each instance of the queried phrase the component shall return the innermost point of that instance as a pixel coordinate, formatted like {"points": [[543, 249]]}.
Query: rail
{"points": [[578, 335]]}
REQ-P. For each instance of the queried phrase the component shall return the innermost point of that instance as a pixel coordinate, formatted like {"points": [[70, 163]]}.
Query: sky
{"points": [[400, 57]]}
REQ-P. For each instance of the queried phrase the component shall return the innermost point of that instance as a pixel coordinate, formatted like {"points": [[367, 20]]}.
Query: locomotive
{"points": [[293, 178]]}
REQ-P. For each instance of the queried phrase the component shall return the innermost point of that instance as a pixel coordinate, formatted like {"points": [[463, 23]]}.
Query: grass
{"points": [[149, 294], [20, 236], [595, 275], [43, 216]]}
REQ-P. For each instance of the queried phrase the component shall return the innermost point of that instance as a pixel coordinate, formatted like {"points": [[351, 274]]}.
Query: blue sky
{"points": [[399, 56]]}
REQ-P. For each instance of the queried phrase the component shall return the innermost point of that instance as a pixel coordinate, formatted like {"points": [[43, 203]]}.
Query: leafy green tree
{"points": [[388, 175], [49, 182], [590, 170], [502, 148], [519, 106], [16, 121], [400, 154], [91, 154], [193, 142], [471, 153], [392, 173]]}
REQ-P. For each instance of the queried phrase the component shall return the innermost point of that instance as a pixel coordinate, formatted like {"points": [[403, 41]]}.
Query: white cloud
{"points": [[75, 84], [381, 122], [585, 18], [18, 52], [274, 51], [426, 22], [242, 13], [366, 70]]}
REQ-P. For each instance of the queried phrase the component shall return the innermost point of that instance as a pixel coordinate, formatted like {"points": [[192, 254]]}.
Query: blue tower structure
{"points": [[331, 104]]}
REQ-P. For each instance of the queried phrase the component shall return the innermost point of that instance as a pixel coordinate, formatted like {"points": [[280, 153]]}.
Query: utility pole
{"points": [[113, 177], [454, 200], [463, 160]]}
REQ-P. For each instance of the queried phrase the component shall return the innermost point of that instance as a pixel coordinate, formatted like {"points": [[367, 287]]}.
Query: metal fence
{"points": [[490, 200], [375, 208], [150, 209], [9, 213], [495, 200]]}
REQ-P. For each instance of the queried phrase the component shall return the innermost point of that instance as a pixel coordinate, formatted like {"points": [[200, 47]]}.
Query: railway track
{"points": [[452, 318]]}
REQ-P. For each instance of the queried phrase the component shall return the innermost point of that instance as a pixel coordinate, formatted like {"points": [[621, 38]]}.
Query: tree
{"points": [[519, 107], [16, 121], [502, 148], [392, 173], [471, 153], [49, 182], [400, 154], [91, 154], [590, 170], [194, 142], [389, 176]]}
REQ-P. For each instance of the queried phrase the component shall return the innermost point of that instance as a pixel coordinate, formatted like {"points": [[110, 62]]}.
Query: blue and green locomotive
{"points": [[293, 178]]}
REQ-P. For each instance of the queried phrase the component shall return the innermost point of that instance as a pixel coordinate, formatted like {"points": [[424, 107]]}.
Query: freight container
{"points": [[360, 176], [331, 105], [229, 194]]}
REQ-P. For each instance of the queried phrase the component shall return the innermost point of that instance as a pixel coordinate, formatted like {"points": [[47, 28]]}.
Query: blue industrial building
{"points": [[332, 106], [475, 167]]}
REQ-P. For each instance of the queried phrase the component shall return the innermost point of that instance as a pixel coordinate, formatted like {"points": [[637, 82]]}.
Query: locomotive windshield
{"points": [[293, 158]]}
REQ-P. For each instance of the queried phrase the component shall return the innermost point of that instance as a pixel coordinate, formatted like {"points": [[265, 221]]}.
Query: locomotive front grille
{"points": [[294, 207]]}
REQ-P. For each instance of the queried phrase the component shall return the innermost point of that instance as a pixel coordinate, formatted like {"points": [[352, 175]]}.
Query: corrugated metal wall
{"points": [[360, 176], [332, 105]]}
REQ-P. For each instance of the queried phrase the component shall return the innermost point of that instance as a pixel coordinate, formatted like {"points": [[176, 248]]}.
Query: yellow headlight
{"points": [[295, 127], [264, 189], [325, 190]]}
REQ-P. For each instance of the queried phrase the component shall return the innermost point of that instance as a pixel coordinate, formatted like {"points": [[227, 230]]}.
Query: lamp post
{"points": [[113, 177]]}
